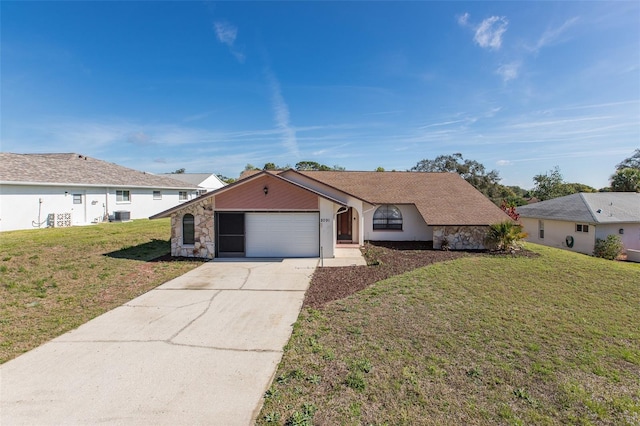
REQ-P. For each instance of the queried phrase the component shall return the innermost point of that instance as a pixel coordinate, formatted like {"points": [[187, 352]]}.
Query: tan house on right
{"points": [[575, 221]]}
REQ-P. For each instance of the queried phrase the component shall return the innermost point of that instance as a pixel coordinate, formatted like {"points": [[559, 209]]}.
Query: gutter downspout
{"points": [[106, 205]]}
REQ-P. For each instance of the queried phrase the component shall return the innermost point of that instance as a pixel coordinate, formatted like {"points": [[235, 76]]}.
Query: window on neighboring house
{"points": [[77, 198], [183, 196], [123, 196], [188, 229], [201, 191], [541, 229], [582, 228], [387, 217], [157, 195]]}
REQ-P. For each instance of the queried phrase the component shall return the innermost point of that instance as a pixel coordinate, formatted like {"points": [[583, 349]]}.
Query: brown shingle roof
{"points": [[441, 198], [75, 169]]}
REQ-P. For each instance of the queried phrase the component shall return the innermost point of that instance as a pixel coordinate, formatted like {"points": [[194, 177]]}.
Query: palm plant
{"points": [[505, 235]]}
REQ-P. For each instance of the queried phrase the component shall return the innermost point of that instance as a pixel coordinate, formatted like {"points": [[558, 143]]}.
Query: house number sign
{"points": [[324, 220]]}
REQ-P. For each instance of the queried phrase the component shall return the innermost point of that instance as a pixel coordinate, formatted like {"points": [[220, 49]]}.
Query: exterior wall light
{"points": [[621, 231], [265, 190]]}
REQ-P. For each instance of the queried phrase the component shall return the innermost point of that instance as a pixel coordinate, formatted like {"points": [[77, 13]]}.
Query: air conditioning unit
{"points": [[121, 216]]}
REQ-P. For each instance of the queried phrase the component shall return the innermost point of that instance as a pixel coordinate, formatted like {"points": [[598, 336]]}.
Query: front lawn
{"points": [[53, 280], [546, 339]]}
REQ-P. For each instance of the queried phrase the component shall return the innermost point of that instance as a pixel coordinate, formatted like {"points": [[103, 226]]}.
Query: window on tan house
{"points": [[582, 228]]}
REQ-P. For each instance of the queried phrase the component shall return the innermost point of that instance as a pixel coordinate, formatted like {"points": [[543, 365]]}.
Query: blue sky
{"points": [[211, 86]]}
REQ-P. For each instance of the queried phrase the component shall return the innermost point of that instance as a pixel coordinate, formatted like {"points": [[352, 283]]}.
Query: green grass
{"points": [[53, 280], [480, 340]]}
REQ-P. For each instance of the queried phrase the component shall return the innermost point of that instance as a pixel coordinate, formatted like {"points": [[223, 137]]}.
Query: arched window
{"points": [[387, 217], [188, 229]]}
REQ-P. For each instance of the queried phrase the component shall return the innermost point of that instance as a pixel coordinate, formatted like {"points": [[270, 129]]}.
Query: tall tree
{"points": [[626, 180], [270, 166], [551, 185], [627, 175], [472, 171], [313, 165], [632, 162], [179, 171]]}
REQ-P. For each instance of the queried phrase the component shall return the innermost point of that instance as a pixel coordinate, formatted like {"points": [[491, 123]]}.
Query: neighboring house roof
{"points": [[77, 170], [192, 178], [441, 198], [596, 207]]}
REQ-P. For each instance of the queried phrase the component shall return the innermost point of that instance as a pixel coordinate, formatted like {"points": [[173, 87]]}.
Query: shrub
{"points": [[505, 235], [609, 248]]}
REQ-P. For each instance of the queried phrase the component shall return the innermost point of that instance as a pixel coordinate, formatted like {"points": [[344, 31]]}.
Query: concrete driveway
{"points": [[200, 349]]}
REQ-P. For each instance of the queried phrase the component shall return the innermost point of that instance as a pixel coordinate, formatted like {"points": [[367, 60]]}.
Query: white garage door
{"points": [[282, 234]]}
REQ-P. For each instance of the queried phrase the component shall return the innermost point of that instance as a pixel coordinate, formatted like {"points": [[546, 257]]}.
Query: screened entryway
{"points": [[230, 237]]}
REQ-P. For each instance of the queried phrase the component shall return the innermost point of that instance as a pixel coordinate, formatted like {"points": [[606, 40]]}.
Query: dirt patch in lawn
{"points": [[385, 259]]}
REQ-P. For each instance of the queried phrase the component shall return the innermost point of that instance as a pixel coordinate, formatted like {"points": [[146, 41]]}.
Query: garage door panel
{"points": [[282, 235]]}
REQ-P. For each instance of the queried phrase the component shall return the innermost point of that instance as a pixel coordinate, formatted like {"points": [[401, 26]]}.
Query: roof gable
{"points": [[248, 181], [76, 169], [198, 179], [267, 192]]}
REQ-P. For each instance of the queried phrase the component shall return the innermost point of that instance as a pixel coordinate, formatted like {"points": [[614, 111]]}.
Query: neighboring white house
{"points": [[206, 182], [44, 190], [574, 222]]}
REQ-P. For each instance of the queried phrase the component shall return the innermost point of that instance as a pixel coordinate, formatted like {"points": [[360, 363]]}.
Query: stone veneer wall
{"points": [[202, 212], [460, 237]]}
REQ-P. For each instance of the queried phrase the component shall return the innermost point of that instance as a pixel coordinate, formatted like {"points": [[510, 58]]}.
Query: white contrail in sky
{"points": [[281, 111]]}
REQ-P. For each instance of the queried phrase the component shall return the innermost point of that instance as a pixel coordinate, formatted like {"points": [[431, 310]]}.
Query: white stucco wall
{"points": [[19, 204], [556, 232], [414, 228], [630, 236]]}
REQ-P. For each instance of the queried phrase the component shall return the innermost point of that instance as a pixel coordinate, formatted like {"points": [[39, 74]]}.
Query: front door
{"points": [[345, 225], [229, 234]]}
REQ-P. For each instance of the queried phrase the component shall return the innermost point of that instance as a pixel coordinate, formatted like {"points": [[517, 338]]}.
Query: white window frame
{"points": [[77, 198], [157, 195], [183, 196], [120, 196]]}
